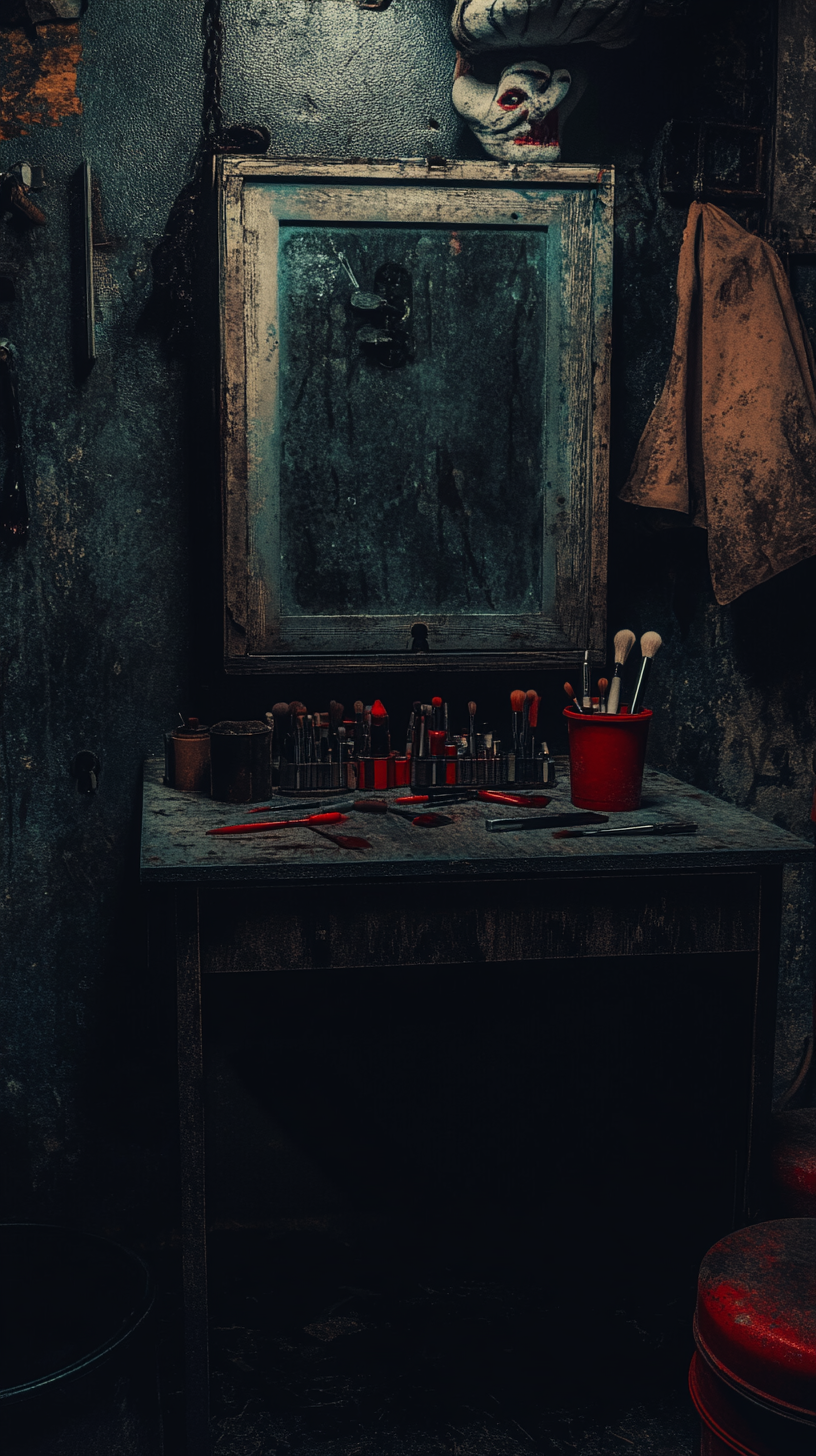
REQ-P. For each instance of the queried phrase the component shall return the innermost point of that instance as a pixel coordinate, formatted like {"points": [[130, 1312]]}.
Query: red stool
{"points": [[753, 1376], [793, 1163]]}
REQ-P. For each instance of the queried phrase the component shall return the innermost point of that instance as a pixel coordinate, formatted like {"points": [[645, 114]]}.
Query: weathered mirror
{"points": [[415, 411]]}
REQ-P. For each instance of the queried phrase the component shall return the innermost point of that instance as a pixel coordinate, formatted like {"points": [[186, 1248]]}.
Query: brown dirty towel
{"points": [[732, 439]]}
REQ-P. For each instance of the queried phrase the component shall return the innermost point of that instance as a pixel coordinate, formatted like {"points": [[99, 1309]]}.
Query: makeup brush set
{"points": [[607, 698], [326, 751]]}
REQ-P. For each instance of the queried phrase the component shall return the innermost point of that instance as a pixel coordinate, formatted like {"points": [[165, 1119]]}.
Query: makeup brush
{"points": [[300, 737], [533, 721], [296, 707], [280, 720], [425, 727], [436, 705], [359, 727], [586, 684], [570, 692], [650, 642], [334, 817], [529, 699], [674, 827], [540, 821], [409, 735], [422, 821], [320, 723], [335, 717], [472, 729], [624, 642], [603, 688], [517, 700]]}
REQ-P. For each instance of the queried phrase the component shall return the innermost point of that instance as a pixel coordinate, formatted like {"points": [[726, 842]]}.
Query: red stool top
{"points": [[755, 1322], [793, 1162]]}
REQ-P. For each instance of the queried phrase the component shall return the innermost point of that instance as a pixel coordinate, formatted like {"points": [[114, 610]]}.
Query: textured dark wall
{"points": [[96, 645]]}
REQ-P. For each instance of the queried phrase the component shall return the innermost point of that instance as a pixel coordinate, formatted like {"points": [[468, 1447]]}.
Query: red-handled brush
{"points": [[422, 821], [517, 701], [332, 818], [521, 801], [570, 692]]}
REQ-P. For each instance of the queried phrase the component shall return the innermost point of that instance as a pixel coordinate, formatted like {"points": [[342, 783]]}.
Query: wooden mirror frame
{"points": [[575, 203]]}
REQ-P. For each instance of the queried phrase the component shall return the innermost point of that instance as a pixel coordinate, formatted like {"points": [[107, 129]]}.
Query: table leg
{"points": [[755, 1187], [191, 1130]]}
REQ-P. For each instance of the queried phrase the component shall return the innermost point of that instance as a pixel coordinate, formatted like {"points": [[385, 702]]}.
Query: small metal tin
{"points": [[188, 759]]}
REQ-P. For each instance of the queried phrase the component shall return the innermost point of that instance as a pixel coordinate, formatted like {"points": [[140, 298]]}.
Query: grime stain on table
{"points": [[176, 847]]}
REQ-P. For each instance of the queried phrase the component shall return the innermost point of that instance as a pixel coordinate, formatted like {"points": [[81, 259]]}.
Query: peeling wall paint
{"points": [[39, 78]]}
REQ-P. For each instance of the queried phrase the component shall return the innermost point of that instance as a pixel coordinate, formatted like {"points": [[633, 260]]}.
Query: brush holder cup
{"points": [[607, 752], [311, 778], [503, 772]]}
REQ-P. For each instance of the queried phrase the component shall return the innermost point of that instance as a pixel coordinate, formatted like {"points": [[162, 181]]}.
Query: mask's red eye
{"points": [[509, 100]]}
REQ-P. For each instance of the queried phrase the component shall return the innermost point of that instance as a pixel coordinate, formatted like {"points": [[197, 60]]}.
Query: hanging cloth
{"points": [[732, 440]]}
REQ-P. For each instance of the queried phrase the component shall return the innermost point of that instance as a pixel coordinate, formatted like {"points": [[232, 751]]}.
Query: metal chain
{"points": [[212, 29]]}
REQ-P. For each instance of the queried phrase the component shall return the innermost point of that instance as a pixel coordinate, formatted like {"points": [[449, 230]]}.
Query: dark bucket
{"points": [[77, 1365], [241, 761]]}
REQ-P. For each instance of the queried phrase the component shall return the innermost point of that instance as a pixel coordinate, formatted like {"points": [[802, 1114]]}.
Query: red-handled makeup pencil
{"points": [[517, 700]]}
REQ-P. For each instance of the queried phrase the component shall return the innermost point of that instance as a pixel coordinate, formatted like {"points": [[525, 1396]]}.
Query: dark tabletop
{"points": [[176, 849]]}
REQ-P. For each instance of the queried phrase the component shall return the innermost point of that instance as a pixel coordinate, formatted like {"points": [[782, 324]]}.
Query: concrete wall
{"points": [[100, 644]]}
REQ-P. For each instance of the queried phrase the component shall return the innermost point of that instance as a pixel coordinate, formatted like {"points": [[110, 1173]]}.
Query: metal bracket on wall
{"points": [[714, 159], [87, 259], [16, 187]]}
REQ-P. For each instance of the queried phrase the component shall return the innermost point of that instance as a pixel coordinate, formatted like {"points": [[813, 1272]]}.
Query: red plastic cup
{"points": [[607, 753]]}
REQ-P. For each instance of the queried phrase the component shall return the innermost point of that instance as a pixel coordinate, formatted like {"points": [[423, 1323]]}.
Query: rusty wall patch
{"points": [[38, 78]]}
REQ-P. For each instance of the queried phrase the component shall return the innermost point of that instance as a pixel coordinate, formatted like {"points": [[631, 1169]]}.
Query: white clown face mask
{"points": [[517, 120]]}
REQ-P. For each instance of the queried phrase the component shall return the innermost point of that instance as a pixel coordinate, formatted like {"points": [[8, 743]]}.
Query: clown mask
{"points": [[517, 120]]}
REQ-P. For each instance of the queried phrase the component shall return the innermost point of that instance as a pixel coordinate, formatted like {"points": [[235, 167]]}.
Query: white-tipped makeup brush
{"points": [[624, 642], [649, 644]]}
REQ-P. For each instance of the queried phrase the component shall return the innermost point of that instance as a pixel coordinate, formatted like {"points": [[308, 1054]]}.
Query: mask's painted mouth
{"points": [[543, 132]]}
